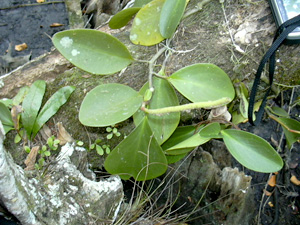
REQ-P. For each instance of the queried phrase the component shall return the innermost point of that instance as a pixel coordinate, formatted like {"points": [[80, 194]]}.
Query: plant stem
{"points": [[195, 105], [151, 64]]}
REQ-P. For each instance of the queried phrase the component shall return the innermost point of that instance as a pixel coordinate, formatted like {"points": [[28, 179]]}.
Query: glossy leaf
{"points": [[211, 130], [109, 104], [202, 83], [140, 3], [252, 151], [93, 51], [288, 126], [145, 27], [164, 95], [32, 104], [123, 17], [183, 140], [171, 14], [139, 156], [51, 107]]}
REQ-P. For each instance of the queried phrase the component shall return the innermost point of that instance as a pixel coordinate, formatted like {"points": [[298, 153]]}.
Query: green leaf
{"points": [[183, 140], [7, 128], [109, 104], [18, 99], [164, 95], [99, 150], [47, 153], [211, 130], [171, 14], [139, 156], [252, 151], [175, 158], [202, 83], [288, 126], [51, 107], [279, 112], [32, 104], [123, 17], [93, 51], [140, 3], [5, 115], [145, 27]]}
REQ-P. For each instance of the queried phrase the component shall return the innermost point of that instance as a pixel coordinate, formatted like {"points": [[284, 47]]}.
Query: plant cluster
{"points": [[157, 140]]}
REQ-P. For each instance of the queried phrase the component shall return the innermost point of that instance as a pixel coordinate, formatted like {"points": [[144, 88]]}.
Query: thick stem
{"points": [[195, 105]]}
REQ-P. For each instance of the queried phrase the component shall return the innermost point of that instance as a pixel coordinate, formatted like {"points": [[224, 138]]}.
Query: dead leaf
{"points": [[45, 132], [63, 135], [219, 113], [21, 47], [40, 1], [56, 25], [31, 158], [16, 110], [294, 180]]}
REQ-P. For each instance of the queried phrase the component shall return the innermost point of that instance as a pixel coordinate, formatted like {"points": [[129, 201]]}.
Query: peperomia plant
{"points": [[157, 140]]}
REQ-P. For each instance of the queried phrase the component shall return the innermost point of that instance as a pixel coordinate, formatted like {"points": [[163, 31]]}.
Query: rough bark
{"points": [[61, 194]]}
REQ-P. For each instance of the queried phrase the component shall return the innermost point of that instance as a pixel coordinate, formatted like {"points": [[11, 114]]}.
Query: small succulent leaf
{"points": [[32, 104], [139, 156], [289, 125], [171, 14], [183, 140], [108, 104], [99, 150], [93, 51], [252, 151], [123, 17], [5, 115], [202, 83], [141, 3], [51, 107], [145, 27], [211, 130], [164, 95]]}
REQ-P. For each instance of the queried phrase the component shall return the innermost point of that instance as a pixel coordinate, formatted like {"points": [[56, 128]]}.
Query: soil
{"points": [[30, 23], [22, 23]]}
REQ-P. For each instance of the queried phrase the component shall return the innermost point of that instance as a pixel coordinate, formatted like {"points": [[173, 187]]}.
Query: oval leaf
{"points": [[252, 151], [145, 27], [93, 51], [122, 18], [211, 130], [183, 140], [32, 104], [171, 14], [164, 95], [138, 156], [202, 83], [51, 107], [109, 104]]}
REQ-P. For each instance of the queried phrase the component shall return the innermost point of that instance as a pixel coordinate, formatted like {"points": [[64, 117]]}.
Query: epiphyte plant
{"points": [[157, 140]]}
